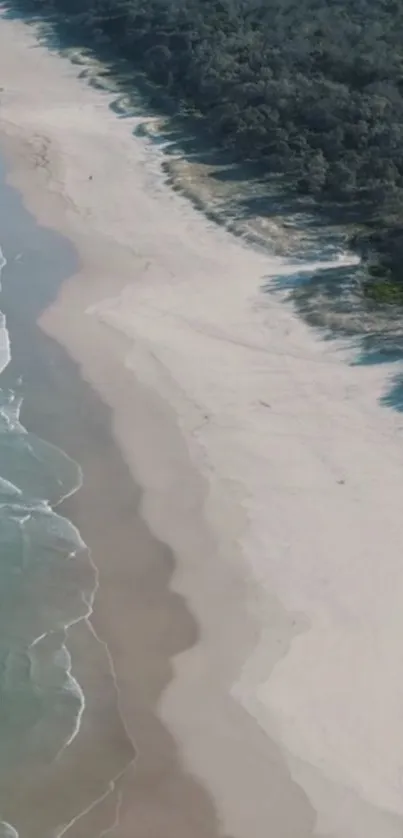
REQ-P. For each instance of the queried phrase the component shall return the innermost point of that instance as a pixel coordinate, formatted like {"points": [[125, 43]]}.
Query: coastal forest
{"points": [[310, 89]]}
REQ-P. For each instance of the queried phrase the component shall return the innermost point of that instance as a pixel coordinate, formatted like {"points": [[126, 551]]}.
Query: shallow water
{"points": [[47, 583]]}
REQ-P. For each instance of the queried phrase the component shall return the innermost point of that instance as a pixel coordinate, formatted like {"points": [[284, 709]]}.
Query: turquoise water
{"points": [[47, 583]]}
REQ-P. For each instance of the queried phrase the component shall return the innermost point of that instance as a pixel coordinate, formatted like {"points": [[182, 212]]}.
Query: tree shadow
{"points": [[331, 300], [386, 348], [394, 398]]}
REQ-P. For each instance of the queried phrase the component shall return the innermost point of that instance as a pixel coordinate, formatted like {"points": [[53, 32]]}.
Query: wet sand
{"points": [[143, 621], [117, 772], [154, 623]]}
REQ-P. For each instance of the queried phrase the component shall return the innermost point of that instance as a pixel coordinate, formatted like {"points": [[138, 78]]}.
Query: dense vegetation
{"points": [[312, 88]]}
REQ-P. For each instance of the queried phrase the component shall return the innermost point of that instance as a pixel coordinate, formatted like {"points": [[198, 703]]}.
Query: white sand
{"points": [[269, 467]]}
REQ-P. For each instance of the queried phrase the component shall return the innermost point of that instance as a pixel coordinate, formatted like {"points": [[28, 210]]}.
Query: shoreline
{"points": [[261, 477], [47, 803], [64, 431], [87, 437], [208, 809], [226, 774]]}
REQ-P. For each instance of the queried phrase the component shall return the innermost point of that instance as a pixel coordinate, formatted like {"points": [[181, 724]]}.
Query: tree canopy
{"points": [[310, 88]]}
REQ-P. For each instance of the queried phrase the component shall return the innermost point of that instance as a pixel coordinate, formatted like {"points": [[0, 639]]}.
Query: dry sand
{"points": [[268, 468]]}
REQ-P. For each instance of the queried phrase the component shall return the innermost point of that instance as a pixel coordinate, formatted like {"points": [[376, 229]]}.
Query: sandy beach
{"points": [[241, 497]]}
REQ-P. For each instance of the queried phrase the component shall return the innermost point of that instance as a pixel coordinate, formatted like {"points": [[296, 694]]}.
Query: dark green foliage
{"points": [[384, 289], [311, 88]]}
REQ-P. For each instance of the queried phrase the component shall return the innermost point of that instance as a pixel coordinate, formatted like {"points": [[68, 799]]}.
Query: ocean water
{"points": [[47, 583]]}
